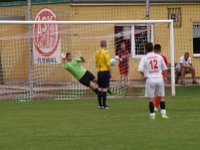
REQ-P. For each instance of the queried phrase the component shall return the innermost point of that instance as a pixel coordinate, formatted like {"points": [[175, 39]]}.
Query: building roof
{"points": [[24, 2], [135, 1], [110, 1], [10, 0]]}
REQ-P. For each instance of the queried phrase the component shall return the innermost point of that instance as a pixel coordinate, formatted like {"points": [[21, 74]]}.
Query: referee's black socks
{"points": [[99, 97], [104, 96]]}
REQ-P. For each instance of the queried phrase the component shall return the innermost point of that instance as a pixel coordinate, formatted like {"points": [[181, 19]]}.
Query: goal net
{"points": [[31, 66]]}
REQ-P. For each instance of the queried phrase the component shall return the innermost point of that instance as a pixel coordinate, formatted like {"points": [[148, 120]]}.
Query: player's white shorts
{"points": [[154, 86]]}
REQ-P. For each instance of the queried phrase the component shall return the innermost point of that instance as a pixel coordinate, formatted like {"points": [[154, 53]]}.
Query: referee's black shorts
{"points": [[103, 79], [87, 78]]}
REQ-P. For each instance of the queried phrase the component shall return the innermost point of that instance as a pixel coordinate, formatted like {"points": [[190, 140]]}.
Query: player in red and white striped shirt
{"points": [[157, 50], [151, 66]]}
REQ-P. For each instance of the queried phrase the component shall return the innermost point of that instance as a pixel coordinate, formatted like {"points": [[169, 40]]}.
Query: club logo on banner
{"points": [[46, 38]]}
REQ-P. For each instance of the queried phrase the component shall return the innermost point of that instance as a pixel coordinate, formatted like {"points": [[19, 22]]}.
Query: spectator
{"points": [[185, 66], [124, 56]]}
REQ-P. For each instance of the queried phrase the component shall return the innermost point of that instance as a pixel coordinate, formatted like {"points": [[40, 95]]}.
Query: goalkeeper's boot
{"points": [[109, 92], [164, 116]]}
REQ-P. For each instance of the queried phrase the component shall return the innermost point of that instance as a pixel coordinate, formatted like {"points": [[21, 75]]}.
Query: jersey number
{"points": [[154, 64]]}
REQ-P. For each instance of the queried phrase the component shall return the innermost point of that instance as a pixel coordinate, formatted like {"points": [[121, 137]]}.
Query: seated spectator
{"points": [[185, 66]]}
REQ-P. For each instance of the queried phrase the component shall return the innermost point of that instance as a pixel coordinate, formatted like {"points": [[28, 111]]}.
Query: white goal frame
{"points": [[170, 22]]}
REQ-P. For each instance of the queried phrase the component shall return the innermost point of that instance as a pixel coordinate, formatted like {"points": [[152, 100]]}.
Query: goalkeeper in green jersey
{"points": [[85, 77]]}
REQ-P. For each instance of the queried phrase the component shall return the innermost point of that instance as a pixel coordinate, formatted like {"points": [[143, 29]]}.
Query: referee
{"points": [[102, 59]]}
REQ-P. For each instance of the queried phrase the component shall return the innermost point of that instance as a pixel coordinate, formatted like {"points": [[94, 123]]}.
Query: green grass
{"points": [[192, 90], [124, 91], [79, 125]]}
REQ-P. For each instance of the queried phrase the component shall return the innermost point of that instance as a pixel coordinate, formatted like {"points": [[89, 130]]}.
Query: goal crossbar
{"points": [[87, 22]]}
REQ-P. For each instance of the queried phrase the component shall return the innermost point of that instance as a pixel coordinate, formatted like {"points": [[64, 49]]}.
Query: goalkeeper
{"points": [[85, 77]]}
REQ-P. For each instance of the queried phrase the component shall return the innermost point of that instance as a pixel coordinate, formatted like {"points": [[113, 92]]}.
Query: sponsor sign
{"points": [[46, 39]]}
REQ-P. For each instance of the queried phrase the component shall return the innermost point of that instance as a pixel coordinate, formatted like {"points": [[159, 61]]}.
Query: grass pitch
{"points": [[79, 125]]}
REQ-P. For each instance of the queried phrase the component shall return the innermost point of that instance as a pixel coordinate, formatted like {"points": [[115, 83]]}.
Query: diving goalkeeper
{"points": [[85, 77]]}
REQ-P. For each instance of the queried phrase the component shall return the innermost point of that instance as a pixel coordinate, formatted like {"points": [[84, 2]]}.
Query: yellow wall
{"points": [[86, 38]]}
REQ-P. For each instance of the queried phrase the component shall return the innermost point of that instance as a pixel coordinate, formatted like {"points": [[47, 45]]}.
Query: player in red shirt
{"points": [[157, 49], [124, 56]]}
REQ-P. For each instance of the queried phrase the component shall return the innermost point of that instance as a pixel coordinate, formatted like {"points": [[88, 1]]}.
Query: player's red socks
{"points": [[157, 101]]}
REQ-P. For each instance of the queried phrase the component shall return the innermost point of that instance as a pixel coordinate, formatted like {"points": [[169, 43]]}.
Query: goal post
{"points": [[172, 58], [49, 78]]}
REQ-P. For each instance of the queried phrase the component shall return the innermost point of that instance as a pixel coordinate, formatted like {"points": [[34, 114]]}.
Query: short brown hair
{"points": [[148, 47], [67, 54], [157, 48], [103, 43]]}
